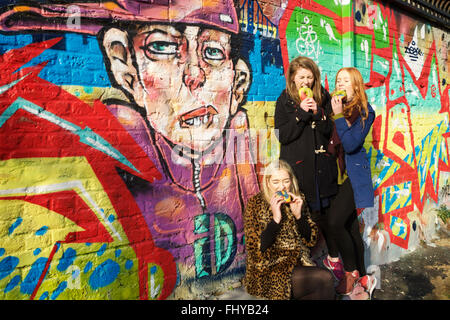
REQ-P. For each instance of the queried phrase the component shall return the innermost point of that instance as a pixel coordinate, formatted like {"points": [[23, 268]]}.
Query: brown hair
{"points": [[291, 88], [359, 101]]}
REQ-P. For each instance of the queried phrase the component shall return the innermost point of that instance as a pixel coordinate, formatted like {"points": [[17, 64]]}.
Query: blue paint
{"points": [[7, 265], [153, 270], [67, 259], [101, 251], [266, 62], [88, 90], [177, 283], [129, 264], [75, 273], [44, 296], [42, 231], [2, 251], [111, 218], [104, 274], [88, 267], [75, 60], [62, 286], [118, 253], [14, 225], [37, 251], [12, 284], [31, 280]]}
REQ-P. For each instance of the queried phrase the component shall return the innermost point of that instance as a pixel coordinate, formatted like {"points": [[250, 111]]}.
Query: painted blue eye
{"points": [[162, 47], [212, 53]]}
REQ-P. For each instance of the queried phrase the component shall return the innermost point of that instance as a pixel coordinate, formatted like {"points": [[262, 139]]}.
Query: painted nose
{"points": [[194, 76]]}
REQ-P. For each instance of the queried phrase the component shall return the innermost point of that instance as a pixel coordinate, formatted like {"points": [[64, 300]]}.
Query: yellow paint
{"points": [[58, 174], [21, 8], [111, 5], [22, 243]]}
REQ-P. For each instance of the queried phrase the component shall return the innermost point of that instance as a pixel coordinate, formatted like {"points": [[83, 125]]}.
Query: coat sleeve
{"points": [[253, 228], [289, 128], [269, 234], [353, 137]]}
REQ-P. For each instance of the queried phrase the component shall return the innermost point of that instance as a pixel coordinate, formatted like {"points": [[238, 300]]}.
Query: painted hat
{"points": [[90, 17]]}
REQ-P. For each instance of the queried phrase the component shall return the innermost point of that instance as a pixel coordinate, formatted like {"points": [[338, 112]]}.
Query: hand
{"points": [[296, 205], [275, 206], [336, 104], [309, 104]]}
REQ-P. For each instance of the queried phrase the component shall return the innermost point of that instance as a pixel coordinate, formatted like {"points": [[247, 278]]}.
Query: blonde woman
{"points": [[278, 234]]}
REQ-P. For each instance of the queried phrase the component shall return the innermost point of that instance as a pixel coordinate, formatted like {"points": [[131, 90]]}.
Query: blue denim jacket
{"points": [[356, 160]]}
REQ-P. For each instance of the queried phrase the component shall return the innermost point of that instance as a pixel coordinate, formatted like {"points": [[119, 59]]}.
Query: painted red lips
{"points": [[200, 116]]}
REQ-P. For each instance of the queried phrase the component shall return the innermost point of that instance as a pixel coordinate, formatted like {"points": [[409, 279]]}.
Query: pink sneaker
{"points": [[336, 268], [358, 293], [368, 282], [348, 282]]}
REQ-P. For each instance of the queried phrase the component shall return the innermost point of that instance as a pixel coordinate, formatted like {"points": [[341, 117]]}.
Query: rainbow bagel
{"points": [[304, 93], [285, 195], [339, 93]]}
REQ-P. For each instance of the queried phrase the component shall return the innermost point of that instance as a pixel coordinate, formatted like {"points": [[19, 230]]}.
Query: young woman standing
{"points": [[304, 131], [353, 117]]}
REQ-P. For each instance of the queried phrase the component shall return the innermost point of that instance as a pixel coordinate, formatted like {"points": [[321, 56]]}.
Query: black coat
{"points": [[300, 134]]}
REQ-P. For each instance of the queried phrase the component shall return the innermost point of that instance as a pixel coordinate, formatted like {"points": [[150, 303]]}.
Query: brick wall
{"points": [[129, 148]]}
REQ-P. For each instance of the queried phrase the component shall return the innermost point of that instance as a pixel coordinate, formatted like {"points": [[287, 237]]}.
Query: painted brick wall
{"points": [[129, 147]]}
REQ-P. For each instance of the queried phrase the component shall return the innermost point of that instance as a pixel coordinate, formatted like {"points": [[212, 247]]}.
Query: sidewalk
{"points": [[423, 274]]}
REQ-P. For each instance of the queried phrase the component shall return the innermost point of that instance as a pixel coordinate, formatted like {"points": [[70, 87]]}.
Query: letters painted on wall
{"points": [[130, 146]]}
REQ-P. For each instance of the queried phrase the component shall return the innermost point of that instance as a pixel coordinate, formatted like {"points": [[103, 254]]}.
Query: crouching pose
{"points": [[278, 234]]}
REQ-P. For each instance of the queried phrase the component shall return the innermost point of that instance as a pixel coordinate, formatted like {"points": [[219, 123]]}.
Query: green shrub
{"points": [[443, 213]]}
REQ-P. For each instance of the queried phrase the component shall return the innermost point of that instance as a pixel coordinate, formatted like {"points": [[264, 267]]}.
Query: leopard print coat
{"points": [[268, 274]]}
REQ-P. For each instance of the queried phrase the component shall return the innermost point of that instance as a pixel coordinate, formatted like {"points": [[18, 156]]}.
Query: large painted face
{"points": [[187, 79]]}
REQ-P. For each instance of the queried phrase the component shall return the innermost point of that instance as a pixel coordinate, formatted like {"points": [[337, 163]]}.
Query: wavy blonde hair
{"points": [[268, 172], [291, 88], [359, 101]]}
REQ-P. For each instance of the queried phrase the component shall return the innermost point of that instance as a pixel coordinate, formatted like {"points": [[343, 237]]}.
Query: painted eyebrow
{"points": [[163, 32]]}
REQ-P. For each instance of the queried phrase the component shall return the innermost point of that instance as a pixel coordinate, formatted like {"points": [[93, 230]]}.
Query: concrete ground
{"points": [[423, 274]]}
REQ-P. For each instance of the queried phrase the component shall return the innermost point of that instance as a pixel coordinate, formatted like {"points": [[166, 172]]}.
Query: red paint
{"points": [[399, 139], [19, 140], [376, 132], [407, 172]]}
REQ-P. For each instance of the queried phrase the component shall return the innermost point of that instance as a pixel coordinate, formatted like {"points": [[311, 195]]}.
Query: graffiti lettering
{"points": [[224, 240], [413, 51], [308, 44]]}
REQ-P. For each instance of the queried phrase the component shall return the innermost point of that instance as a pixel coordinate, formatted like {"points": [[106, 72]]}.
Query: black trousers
{"points": [[340, 228]]}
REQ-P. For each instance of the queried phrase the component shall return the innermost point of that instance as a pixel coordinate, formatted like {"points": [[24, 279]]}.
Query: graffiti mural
{"points": [[132, 134], [406, 72], [143, 187]]}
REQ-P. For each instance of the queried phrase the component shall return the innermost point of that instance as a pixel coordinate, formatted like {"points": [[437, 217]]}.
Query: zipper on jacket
{"points": [[196, 180]]}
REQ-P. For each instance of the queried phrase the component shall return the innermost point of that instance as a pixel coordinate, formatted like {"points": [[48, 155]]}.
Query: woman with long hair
{"points": [[304, 127], [353, 117], [278, 234]]}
